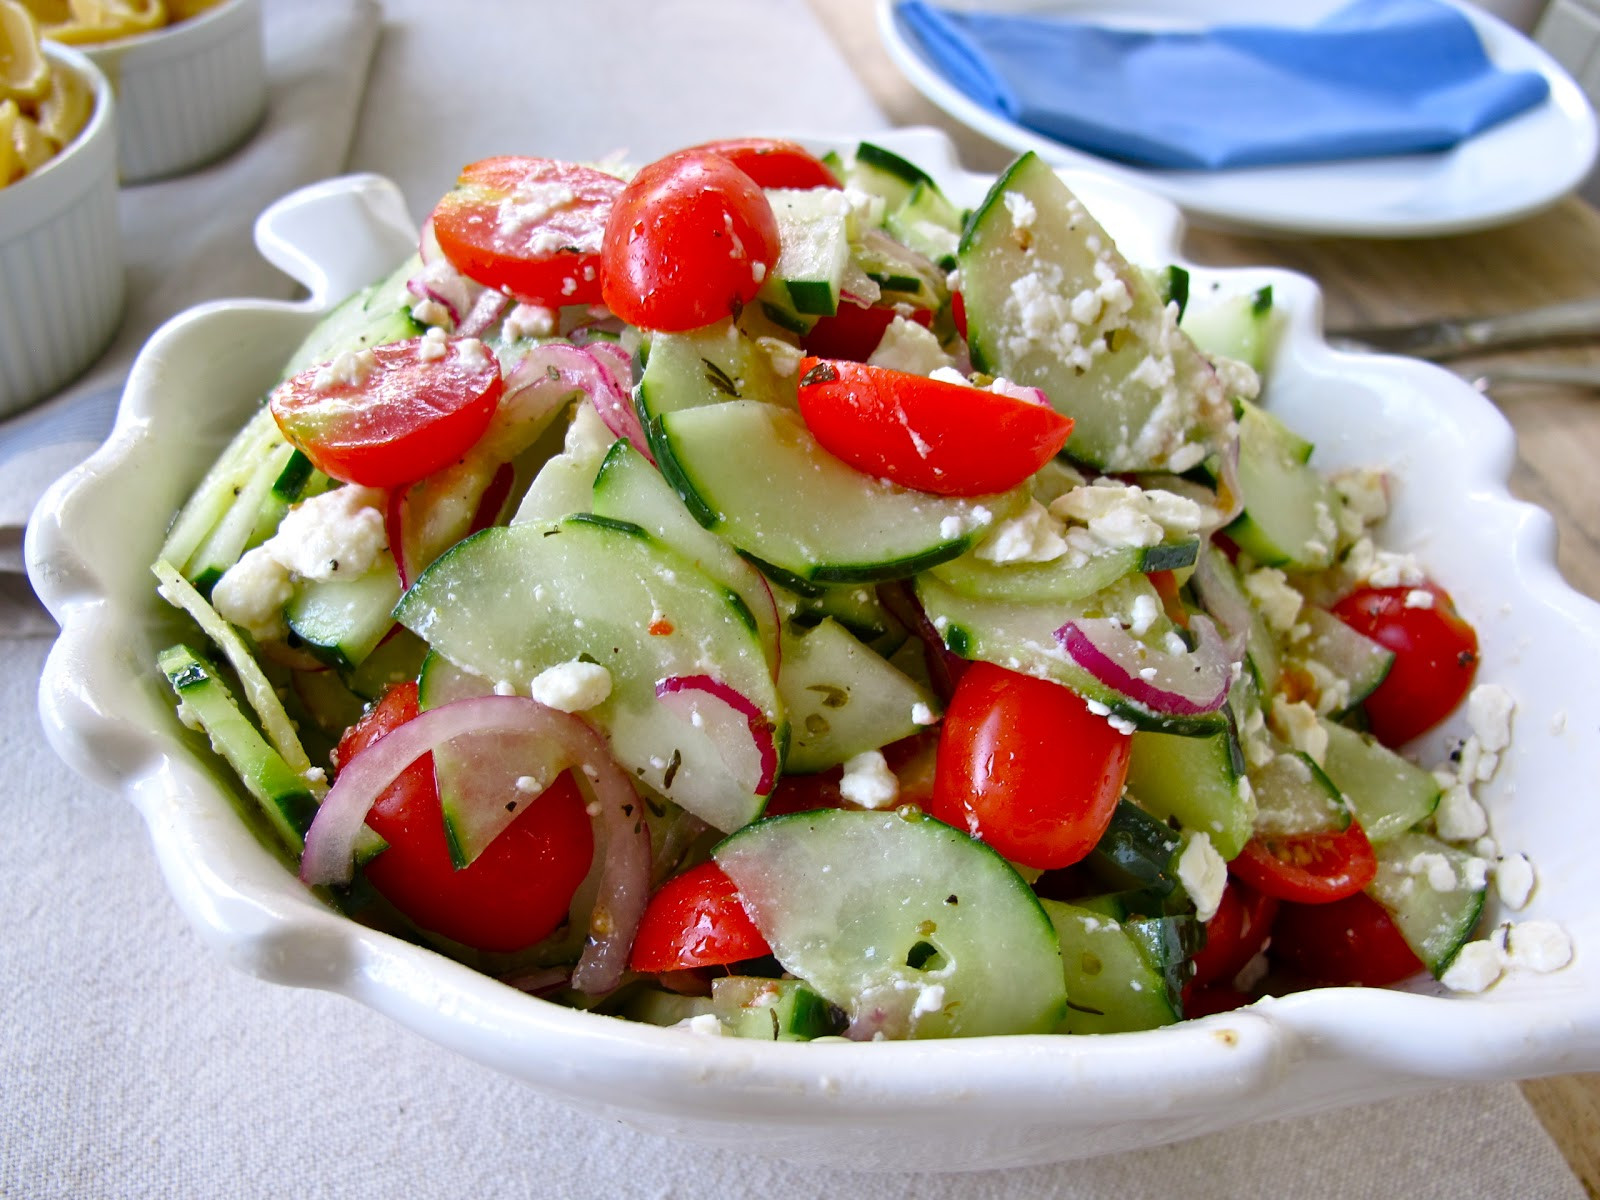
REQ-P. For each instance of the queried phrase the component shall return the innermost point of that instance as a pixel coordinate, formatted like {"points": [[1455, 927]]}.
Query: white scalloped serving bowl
{"points": [[983, 1103]]}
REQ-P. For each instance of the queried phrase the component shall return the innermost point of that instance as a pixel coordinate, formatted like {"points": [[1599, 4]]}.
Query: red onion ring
{"points": [[1184, 684], [614, 401], [1225, 603], [734, 723], [485, 313]]}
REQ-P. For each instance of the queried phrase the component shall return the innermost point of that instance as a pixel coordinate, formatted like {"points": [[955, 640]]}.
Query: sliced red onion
{"points": [[440, 282], [395, 527], [428, 248], [944, 665], [614, 401], [1223, 600], [484, 314], [735, 725], [1183, 684], [891, 249], [775, 649]]}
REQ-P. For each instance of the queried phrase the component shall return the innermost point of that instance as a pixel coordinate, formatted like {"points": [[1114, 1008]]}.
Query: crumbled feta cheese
{"points": [[1271, 592], [1513, 880], [252, 594], [1364, 492], [1476, 967], [528, 321], [531, 204], [1204, 875], [921, 714], [1296, 722], [1021, 210], [527, 784], [929, 1000], [1419, 598], [1459, 817], [868, 781], [433, 346], [1141, 616], [1435, 868], [911, 347], [1537, 946], [1237, 378], [1382, 568], [1032, 536], [1489, 709], [571, 686], [339, 534], [473, 355], [431, 313], [1119, 514], [950, 375], [705, 1025], [784, 357], [349, 369]]}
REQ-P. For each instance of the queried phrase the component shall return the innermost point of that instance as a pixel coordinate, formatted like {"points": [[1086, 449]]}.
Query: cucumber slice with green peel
{"points": [[909, 926], [856, 607], [1172, 285], [1195, 781], [1294, 795], [1344, 654], [707, 366], [1289, 507], [1069, 578], [1387, 793], [813, 251], [927, 222], [374, 316], [773, 1010], [219, 490], [565, 483], [396, 659], [1051, 304], [283, 793], [1022, 637], [1435, 921], [1137, 855], [341, 621], [754, 474], [657, 1006], [1243, 327], [842, 699], [628, 488], [250, 519], [883, 173], [512, 601], [1112, 984]]}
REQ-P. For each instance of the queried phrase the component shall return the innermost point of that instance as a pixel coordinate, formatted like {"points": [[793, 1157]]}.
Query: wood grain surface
{"points": [[1546, 258]]}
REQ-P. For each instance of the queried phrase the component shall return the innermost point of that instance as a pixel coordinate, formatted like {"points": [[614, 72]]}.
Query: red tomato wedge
{"points": [[531, 227], [927, 434], [393, 414], [1234, 935], [512, 895], [1025, 766], [689, 241], [1308, 868], [773, 162], [855, 331], [1435, 657], [695, 920], [1351, 941]]}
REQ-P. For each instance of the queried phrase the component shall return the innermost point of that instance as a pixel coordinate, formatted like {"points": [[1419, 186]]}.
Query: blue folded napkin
{"points": [[1377, 77]]}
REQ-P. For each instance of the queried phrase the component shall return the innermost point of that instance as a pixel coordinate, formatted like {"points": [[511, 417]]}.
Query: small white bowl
{"points": [[61, 255], [187, 93], [956, 1105]]}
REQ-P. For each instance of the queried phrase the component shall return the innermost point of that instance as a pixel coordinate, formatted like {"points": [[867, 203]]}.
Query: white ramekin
{"points": [[61, 270], [187, 93]]}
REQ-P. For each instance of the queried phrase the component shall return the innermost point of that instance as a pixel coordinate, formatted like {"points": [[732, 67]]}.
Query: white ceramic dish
{"points": [[930, 1106], [61, 256], [187, 93], [1507, 172]]}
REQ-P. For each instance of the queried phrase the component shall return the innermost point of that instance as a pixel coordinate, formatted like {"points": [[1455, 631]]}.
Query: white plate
{"points": [[1507, 172], [985, 1102]]}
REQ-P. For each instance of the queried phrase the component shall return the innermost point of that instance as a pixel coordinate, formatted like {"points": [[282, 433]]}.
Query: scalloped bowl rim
{"points": [[948, 1105]]}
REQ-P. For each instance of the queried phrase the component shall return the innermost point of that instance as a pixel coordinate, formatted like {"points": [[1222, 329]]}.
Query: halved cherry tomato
{"points": [[528, 226], [913, 760], [1234, 935], [927, 434], [405, 418], [854, 331], [1026, 767], [1216, 998], [773, 162], [1308, 868], [689, 241], [1351, 941], [512, 895], [695, 920], [1435, 657]]}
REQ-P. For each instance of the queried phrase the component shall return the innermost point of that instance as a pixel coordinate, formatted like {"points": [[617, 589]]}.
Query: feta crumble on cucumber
{"points": [[907, 622]]}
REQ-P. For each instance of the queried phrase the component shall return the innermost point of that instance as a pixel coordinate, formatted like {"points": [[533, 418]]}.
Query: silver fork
{"points": [[1455, 337]]}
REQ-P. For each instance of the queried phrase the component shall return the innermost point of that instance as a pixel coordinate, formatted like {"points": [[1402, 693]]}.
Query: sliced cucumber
{"points": [[814, 249], [396, 659], [928, 223], [342, 621], [374, 316], [1294, 795], [707, 366], [842, 699], [283, 794], [1196, 782], [628, 488], [1435, 922], [1137, 855], [251, 518], [1289, 508], [1051, 304], [219, 489], [657, 1006], [1112, 984], [753, 473], [883, 173], [773, 1010], [1242, 326], [1345, 654], [1069, 578], [849, 901], [1022, 638], [1388, 794], [512, 601]]}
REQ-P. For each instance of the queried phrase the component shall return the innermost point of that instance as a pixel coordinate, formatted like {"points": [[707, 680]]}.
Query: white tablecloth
{"points": [[133, 1062]]}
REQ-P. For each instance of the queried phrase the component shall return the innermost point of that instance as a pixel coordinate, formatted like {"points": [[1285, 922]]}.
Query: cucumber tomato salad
{"points": [[754, 593]]}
